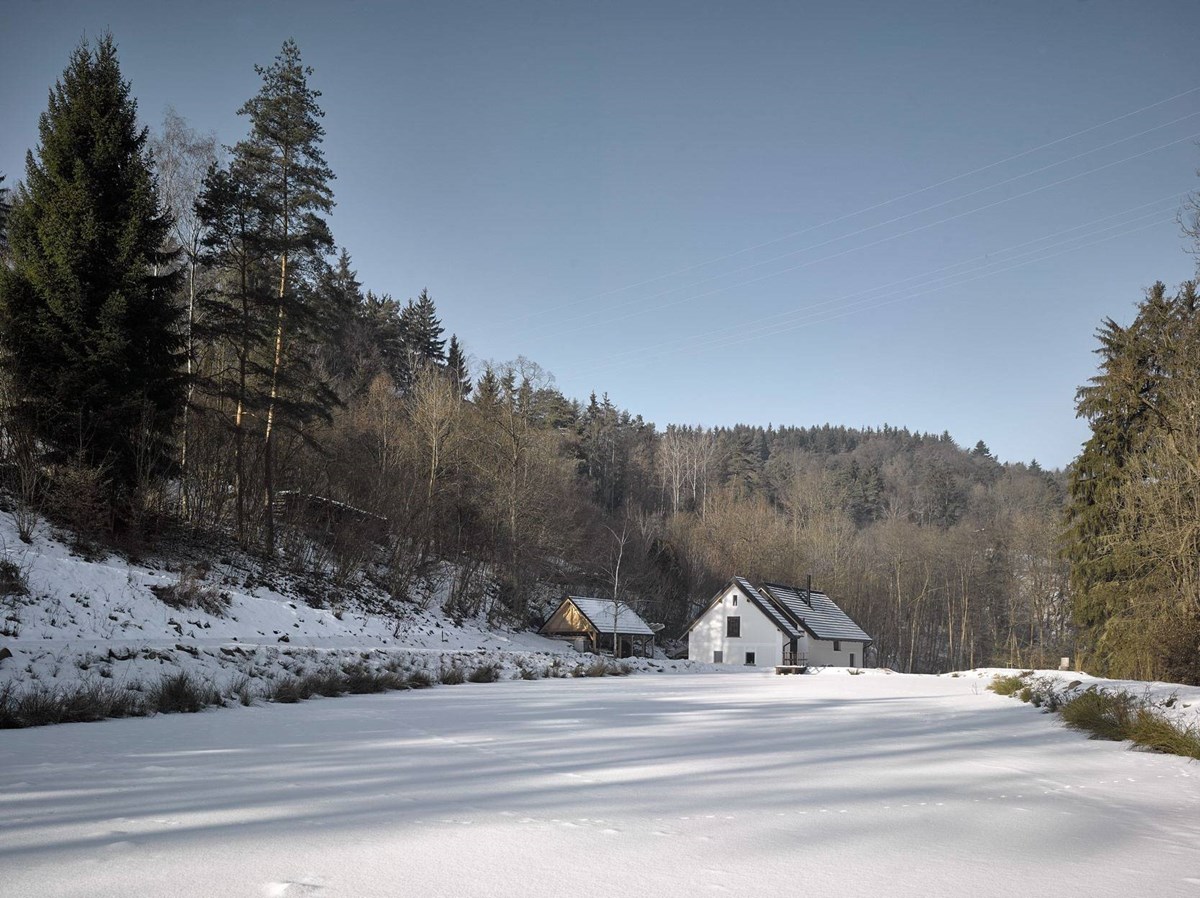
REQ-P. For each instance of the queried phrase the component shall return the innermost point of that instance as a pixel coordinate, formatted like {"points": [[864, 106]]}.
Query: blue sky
{"points": [[723, 212]]}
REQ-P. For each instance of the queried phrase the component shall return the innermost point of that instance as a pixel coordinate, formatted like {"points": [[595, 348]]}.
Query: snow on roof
{"points": [[820, 615], [767, 607], [599, 613]]}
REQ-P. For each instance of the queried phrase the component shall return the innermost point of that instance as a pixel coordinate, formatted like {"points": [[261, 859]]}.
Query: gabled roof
{"points": [[778, 618], [794, 610], [818, 613], [599, 613], [756, 598]]}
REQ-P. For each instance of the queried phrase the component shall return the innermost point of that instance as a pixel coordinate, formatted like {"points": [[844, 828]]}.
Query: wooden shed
{"points": [[601, 625]]}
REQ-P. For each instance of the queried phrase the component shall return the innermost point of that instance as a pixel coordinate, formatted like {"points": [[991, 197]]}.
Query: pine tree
{"points": [[340, 298], [5, 208], [1130, 596], [456, 367], [87, 323], [235, 312], [487, 393], [423, 332], [284, 157], [380, 316]]}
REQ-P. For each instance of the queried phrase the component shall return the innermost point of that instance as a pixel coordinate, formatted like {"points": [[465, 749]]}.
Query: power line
{"points": [[887, 239], [760, 327], [553, 326], [888, 202]]}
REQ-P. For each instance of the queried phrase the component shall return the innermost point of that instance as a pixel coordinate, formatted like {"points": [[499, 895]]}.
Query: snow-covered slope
{"points": [[88, 619]]}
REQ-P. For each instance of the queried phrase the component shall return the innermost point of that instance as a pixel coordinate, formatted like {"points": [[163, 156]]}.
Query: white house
{"points": [[771, 624]]}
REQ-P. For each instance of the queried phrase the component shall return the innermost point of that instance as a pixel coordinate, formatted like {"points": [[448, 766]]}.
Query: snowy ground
{"points": [[99, 619], [743, 783]]}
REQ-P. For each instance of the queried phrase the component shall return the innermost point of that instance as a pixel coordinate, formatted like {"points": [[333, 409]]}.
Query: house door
{"points": [[852, 659]]}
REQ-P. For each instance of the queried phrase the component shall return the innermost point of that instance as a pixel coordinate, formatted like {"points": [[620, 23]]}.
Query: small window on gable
{"points": [[837, 645], [733, 626], [750, 659], [735, 600], [718, 656]]}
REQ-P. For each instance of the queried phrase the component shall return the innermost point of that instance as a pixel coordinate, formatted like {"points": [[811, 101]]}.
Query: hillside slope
{"points": [[110, 620]]}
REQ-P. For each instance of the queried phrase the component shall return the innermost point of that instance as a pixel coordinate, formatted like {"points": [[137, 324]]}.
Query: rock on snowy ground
{"points": [[668, 786]]}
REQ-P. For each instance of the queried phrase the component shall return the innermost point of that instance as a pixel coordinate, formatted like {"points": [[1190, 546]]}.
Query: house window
{"points": [[733, 626], [837, 645], [718, 656], [735, 600], [750, 659]]}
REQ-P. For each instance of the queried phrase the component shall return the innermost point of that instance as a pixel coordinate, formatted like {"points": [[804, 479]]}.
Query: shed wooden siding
{"points": [[568, 621]]}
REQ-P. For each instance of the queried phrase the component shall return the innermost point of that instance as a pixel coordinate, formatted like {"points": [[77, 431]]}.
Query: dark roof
{"points": [[761, 602], [780, 620], [787, 608], [816, 612]]}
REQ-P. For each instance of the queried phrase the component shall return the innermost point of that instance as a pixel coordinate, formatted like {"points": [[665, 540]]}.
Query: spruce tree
{"points": [[423, 332], [1127, 600], [235, 311], [88, 329], [456, 368], [340, 296], [291, 182], [5, 208], [380, 316]]}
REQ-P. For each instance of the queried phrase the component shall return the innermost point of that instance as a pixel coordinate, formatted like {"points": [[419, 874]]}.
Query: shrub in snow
{"points": [[180, 693], [41, 705], [487, 673], [1116, 715], [12, 579], [419, 679], [1008, 685], [451, 676], [192, 592]]}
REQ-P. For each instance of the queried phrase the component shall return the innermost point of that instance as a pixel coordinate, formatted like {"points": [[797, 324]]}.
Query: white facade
{"points": [[759, 636], [835, 653], [760, 641]]}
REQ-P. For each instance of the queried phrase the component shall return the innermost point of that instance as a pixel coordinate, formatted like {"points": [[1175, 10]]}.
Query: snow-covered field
{"points": [[740, 783]]}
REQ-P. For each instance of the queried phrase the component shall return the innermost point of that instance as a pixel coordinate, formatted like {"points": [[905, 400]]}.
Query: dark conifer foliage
{"points": [[423, 332], [88, 325], [5, 208], [383, 334], [285, 162], [1134, 529], [456, 368]]}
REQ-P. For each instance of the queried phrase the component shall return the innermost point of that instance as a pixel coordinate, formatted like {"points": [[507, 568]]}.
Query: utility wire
{"points": [[887, 202], [553, 326], [760, 327], [887, 239]]}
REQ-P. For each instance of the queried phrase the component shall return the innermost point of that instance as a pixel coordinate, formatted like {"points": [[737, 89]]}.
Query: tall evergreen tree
{"points": [[1127, 599], [283, 153], [381, 317], [87, 324], [423, 332], [340, 296], [5, 208], [235, 311], [456, 367]]}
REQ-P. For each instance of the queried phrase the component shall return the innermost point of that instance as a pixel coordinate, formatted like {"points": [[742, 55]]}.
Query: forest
{"points": [[187, 350]]}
